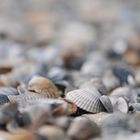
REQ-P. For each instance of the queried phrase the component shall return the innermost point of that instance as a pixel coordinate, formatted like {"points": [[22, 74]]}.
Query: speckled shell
{"points": [[86, 99], [43, 86]]}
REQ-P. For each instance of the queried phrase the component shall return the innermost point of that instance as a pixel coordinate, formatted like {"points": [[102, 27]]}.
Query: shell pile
{"points": [[69, 70]]}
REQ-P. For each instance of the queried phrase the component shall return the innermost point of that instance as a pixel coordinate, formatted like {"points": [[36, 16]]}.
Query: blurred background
{"points": [[71, 34]]}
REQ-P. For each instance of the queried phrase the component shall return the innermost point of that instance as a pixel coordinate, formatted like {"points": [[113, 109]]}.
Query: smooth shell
{"points": [[82, 129], [106, 103], [86, 99]]}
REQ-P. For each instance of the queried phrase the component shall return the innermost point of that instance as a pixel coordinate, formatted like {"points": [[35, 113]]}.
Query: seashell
{"points": [[98, 118], [80, 125], [126, 93], [7, 113], [57, 74], [121, 105], [106, 103], [112, 82], [86, 99], [43, 86], [96, 83], [134, 107], [21, 121], [25, 99], [19, 135], [134, 122], [115, 124], [3, 99], [63, 122], [124, 74], [8, 91], [8, 80], [51, 132]]}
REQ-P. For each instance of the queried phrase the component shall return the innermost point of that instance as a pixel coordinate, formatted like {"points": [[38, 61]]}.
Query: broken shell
{"points": [[43, 86], [51, 132], [86, 99], [82, 129], [98, 118], [106, 103]]}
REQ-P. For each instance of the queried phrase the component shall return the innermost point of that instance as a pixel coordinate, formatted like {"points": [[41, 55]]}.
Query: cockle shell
{"points": [[86, 99], [24, 99], [43, 86]]}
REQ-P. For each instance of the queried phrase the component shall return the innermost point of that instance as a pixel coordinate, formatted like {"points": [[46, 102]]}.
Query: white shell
{"points": [[86, 99]]}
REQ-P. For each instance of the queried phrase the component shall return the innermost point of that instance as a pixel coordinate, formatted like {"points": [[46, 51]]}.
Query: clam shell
{"points": [[106, 103], [86, 99], [121, 105], [43, 86]]}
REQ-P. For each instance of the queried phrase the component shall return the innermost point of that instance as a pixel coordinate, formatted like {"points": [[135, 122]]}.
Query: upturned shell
{"points": [[43, 86], [86, 99], [82, 129]]}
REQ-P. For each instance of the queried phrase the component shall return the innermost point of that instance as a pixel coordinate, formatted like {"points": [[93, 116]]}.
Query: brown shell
{"points": [[86, 99], [43, 86]]}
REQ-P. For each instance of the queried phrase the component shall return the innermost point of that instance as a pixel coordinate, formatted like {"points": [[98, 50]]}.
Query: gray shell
{"points": [[86, 99]]}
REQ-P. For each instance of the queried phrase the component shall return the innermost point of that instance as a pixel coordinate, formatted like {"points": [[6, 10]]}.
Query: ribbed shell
{"points": [[86, 99], [24, 99], [43, 86]]}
